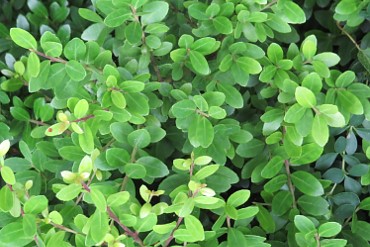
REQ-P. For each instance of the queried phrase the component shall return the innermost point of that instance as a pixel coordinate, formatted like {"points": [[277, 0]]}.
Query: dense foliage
{"points": [[184, 123]]}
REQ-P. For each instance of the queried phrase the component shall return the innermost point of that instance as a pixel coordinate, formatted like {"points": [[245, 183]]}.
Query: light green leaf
{"points": [[195, 227], [33, 65], [86, 140], [206, 171], [233, 96], [320, 130], [183, 108], [23, 38], [154, 12], [98, 199], [118, 99], [36, 204], [272, 167], [57, 129], [305, 97], [293, 13], [69, 192], [99, 226], [117, 17], [329, 229], [8, 175], [6, 199], [118, 199], [132, 86], [238, 198], [81, 108]]}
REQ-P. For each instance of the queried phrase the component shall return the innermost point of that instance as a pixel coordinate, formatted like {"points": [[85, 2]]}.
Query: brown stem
{"points": [[66, 229], [202, 113], [348, 35], [88, 184], [86, 187], [317, 238], [83, 119], [123, 184], [290, 184], [168, 241], [156, 69], [128, 232], [52, 59], [228, 221], [37, 122]]}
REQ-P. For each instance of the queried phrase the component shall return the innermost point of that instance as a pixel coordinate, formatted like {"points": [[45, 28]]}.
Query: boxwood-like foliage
{"points": [[184, 123]]}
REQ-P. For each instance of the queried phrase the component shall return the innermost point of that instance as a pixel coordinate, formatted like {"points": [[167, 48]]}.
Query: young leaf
{"points": [[195, 227], [305, 97], [320, 130]]}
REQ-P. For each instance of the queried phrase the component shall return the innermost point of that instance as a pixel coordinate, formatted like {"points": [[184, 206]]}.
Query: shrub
{"points": [[184, 123]]}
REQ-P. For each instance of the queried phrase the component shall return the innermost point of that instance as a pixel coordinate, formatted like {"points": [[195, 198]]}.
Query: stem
{"points": [[128, 232], [168, 241], [290, 184], [66, 229], [83, 119], [36, 241], [52, 59], [37, 122], [269, 5], [86, 187], [317, 238], [228, 222], [156, 69], [123, 184], [348, 35], [88, 184], [202, 113]]}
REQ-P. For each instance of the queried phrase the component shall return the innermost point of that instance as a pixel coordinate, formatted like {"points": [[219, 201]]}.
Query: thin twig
{"points": [[348, 35], [269, 5], [290, 184], [128, 232], [66, 229], [52, 59], [83, 119], [168, 241], [37, 122]]}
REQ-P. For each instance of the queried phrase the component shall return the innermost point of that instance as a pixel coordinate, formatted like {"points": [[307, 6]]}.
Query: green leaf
{"points": [[98, 199], [23, 38], [223, 24], [250, 149], [117, 17], [139, 138], [118, 99], [199, 63], [265, 219], [346, 7], [187, 207], [282, 202], [99, 226], [309, 47], [345, 79], [154, 12], [33, 65], [75, 70], [154, 167], [293, 13], [36, 204], [81, 108], [334, 242], [249, 65], [89, 15], [29, 225], [307, 183], [320, 130], [195, 227], [350, 102], [364, 58], [69, 192], [304, 224], [313, 205], [248, 212], [135, 170], [305, 97], [233, 96], [12, 234], [133, 32], [8, 175], [238, 198], [132, 86], [275, 53], [201, 132], [146, 224], [86, 140], [329, 229], [273, 167], [294, 113], [19, 113], [217, 112], [118, 199], [205, 45], [183, 108], [6, 199], [235, 237], [75, 49], [206, 171], [328, 58]]}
